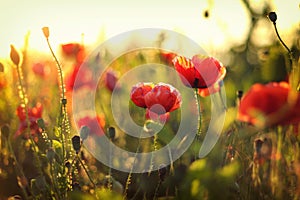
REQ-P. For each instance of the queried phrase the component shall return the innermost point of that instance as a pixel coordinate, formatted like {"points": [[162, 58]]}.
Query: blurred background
{"points": [[216, 25]]}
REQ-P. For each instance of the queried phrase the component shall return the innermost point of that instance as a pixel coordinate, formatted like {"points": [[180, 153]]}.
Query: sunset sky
{"points": [[99, 20]]}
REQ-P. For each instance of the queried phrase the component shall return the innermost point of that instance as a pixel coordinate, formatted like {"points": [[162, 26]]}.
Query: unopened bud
{"points": [[14, 55], [84, 132], [76, 143], [46, 31], [41, 123], [64, 101], [272, 16], [111, 132], [239, 94], [1, 67]]}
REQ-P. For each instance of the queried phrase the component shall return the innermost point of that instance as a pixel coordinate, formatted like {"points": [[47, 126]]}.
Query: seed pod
{"points": [[76, 143], [272, 16]]}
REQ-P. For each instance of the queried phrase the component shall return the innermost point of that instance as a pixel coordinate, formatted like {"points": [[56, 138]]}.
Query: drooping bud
{"points": [[76, 143], [46, 31], [14, 55], [272, 16]]}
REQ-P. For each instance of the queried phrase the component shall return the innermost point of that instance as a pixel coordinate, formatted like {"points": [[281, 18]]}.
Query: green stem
{"points": [[199, 113], [54, 182], [109, 183], [154, 145], [86, 171], [285, 46], [171, 161], [18, 168], [60, 72], [128, 181], [295, 80], [63, 122], [24, 101], [156, 189]]}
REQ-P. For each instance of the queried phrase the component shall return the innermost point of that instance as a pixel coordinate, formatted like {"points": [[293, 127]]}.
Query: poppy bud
{"points": [[76, 143], [68, 165], [76, 186], [1, 67], [64, 101], [272, 16], [239, 94], [111, 132], [46, 31], [41, 123], [50, 154], [206, 13], [14, 55], [84, 132]]}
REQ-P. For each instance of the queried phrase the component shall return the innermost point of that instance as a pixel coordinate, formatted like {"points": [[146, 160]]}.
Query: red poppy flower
{"points": [[204, 92], [41, 69], [34, 114], [167, 57], [271, 104], [82, 79], [74, 49], [110, 80], [95, 124], [138, 93], [3, 81], [200, 71], [163, 98], [156, 117]]}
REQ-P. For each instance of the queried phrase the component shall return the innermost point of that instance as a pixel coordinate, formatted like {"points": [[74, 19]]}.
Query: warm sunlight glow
{"points": [[96, 20]]}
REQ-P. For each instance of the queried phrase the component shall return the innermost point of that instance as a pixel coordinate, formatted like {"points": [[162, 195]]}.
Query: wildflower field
{"points": [[152, 123]]}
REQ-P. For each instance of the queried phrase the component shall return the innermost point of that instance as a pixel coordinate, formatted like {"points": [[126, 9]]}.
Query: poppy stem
{"points": [[128, 181], [199, 113], [18, 168], [24, 102], [86, 171], [282, 42], [59, 68]]}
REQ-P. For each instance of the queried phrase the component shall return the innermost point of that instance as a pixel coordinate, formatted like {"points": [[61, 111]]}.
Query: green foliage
{"points": [[205, 181], [275, 67]]}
